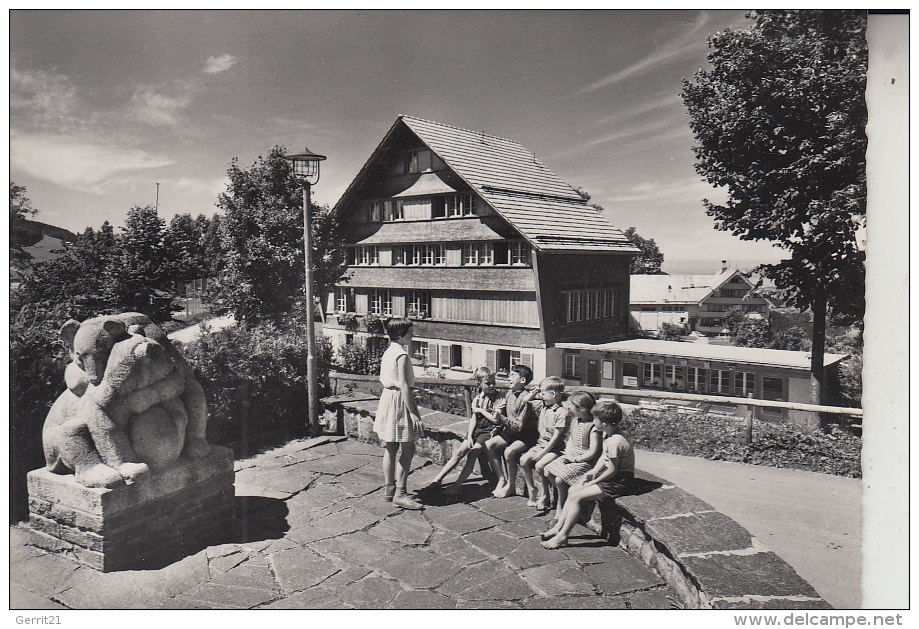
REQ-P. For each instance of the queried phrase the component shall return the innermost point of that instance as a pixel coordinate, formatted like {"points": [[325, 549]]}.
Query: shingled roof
{"points": [[547, 212]]}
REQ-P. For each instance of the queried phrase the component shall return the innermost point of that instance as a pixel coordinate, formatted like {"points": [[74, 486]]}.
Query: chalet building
{"points": [[494, 257], [766, 374], [696, 301]]}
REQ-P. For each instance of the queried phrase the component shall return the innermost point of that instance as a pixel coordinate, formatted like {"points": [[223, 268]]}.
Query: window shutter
{"points": [[491, 360], [445, 356], [432, 354], [526, 359], [467, 357]]}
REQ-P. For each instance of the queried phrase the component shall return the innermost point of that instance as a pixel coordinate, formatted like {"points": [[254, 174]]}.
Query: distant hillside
{"points": [[28, 233]]}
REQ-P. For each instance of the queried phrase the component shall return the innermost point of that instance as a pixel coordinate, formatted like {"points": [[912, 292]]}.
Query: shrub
{"points": [[672, 331], [37, 361], [362, 359], [255, 381], [720, 438]]}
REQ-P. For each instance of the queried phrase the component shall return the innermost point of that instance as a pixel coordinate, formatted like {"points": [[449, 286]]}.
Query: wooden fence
{"points": [[748, 406]]}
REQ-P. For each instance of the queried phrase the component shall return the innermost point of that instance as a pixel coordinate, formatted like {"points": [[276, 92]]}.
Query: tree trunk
{"points": [[818, 394]]}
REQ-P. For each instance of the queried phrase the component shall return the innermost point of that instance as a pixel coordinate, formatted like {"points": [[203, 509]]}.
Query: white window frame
{"points": [[418, 304], [440, 255], [747, 383], [380, 302], [518, 254], [420, 353], [572, 366], [651, 374], [341, 299]]}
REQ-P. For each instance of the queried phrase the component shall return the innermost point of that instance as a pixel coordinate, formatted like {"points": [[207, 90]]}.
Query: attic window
{"points": [[413, 162]]}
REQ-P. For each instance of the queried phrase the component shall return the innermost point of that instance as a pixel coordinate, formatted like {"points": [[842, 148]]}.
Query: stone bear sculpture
{"points": [[131, 402]]}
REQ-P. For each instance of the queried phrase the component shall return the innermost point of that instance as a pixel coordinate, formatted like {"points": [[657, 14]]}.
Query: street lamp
{"points": [[306, 169]]}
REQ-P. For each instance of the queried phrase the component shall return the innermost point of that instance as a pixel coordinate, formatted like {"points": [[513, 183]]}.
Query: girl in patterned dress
{"points": [[397, 421], [582, 447]]}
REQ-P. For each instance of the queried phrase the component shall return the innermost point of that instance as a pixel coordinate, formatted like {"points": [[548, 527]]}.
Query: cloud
{"points": [[210, 187], [43, 100], [649, 129], [216, 65], [677, 48], [76, 164], [661, 101], [682, 190], [157, 109]]}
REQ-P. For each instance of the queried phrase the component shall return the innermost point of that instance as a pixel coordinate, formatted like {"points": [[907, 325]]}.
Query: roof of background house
{"points": [[705, 351], [547, 212], [680, 289]]}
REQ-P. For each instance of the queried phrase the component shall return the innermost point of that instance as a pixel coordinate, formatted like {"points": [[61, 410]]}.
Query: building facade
{"points": [[493, 256], [699, 302], [766, 374]]}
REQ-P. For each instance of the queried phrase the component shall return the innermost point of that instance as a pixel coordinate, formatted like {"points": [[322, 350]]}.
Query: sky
{"points": [[105, 105]]}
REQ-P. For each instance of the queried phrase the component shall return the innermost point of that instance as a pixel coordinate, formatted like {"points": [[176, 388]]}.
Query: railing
{"points": [[748, 404]]}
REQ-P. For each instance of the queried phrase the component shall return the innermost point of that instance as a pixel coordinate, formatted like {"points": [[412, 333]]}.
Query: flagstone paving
{"points": [[313, 532]]}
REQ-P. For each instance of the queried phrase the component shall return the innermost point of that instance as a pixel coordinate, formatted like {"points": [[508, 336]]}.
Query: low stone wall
{"points": [[159, 518], [705, 556]]}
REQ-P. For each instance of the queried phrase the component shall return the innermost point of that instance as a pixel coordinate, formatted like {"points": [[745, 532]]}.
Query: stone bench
{"points": [[706, 557]]}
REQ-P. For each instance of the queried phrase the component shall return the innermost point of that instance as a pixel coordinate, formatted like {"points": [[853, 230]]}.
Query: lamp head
{"points": [[306, 165]]}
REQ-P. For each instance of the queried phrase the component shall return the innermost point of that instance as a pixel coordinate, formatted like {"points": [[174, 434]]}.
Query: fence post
{"points": [[748, 421], [467, 397]]}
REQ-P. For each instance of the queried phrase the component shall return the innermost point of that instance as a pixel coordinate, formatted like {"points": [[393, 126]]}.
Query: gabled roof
{"points": [[679, 289], [547, 212]]}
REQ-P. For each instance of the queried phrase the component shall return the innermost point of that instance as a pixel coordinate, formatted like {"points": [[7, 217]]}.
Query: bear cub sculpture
{"points": [[132, 403]]}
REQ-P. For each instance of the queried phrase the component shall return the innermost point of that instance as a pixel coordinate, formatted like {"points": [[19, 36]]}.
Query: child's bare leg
{"points": [[470, 464], [458, 453], [404, 465], [544, 501], [526, 462], [562, 487], [582, 494], [389, 469], [511, 455], [493, 448]]}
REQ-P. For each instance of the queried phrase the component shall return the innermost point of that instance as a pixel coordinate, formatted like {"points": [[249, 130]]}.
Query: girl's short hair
{"points": [[482, 372], [398, 327], [582, 400], [553, 383], [608, 412], [525, 372]]}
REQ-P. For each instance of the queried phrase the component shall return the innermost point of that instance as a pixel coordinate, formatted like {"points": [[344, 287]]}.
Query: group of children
{"points": [[574, 444]]}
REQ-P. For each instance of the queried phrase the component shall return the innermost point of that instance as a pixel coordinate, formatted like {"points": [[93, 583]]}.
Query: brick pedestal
{"points": [[160, 518]]}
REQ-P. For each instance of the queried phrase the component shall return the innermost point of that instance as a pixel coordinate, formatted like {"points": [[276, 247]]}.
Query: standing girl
{"points": [[397, 421]]}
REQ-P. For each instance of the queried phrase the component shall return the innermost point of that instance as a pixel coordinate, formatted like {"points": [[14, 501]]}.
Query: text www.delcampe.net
{"points": [[810, 620]]}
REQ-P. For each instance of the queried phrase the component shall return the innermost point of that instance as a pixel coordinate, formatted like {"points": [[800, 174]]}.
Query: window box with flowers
{"points": [[374, 324], [348, 320]]}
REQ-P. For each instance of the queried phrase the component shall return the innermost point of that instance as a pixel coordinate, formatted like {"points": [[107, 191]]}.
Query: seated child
{"points": [[519, 431], [582, 447], [611, 477], [486, 411], [553, 424]]}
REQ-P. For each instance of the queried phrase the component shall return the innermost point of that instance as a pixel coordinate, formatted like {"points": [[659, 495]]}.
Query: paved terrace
{"points": [[313, 532]]}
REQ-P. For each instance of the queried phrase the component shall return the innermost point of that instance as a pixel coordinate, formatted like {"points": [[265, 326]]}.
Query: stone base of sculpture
{"points": [[158, 519]]}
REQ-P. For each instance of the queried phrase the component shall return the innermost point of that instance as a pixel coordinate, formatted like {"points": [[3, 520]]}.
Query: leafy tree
{"points": [[780, 123], [20, 209], [141, 277], [77, 277], [650, 260], [184, 240], [262, 239]]}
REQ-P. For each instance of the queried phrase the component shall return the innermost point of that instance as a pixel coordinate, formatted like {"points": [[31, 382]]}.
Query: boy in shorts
{"points": [[518, 434], [611, 477], [485, 420]]}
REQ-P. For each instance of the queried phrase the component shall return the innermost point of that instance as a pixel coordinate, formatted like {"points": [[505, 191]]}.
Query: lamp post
{"points": [[306, 169]]}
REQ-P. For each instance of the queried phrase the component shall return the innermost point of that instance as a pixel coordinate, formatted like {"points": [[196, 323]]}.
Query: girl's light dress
{"points": [[577, 445], [393, 423]]}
